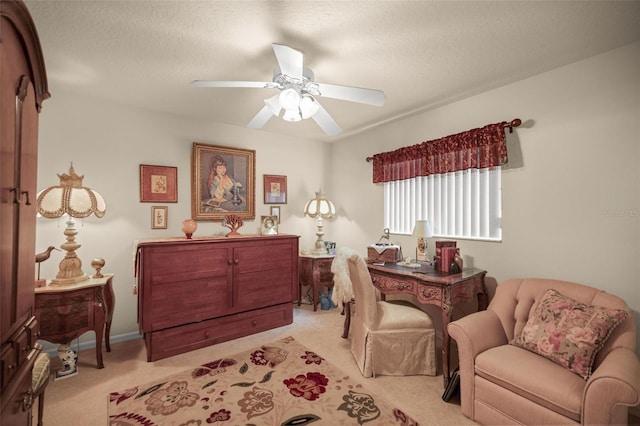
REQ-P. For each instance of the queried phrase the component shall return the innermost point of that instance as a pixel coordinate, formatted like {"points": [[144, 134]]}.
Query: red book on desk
{"points": [[441, 265], [448, 253]]}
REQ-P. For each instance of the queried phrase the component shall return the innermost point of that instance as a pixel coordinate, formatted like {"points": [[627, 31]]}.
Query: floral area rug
{"points": [[281, 383]]}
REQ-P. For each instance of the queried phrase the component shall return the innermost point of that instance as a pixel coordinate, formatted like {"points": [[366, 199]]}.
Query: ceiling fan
{"points": [[298, 93]]}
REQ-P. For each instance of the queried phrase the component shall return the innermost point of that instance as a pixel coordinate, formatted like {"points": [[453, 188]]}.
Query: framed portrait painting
{"points": [[275, 189], [158, 184], [222, 182]]}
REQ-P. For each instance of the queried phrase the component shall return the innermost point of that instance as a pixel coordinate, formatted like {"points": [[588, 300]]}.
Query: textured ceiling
{"points": [[420, 53]]}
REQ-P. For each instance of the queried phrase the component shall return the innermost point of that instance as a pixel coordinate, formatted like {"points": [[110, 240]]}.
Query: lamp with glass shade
{"points": [[72, 199], [321, 208]]}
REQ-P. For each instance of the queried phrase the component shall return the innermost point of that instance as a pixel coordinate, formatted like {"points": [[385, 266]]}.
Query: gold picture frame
{"points": [[222, 182], [268, 225], [159, 217], [275, 189], [158, 184]]}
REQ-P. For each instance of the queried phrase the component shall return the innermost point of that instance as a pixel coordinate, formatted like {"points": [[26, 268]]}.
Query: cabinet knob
{"points": [[206, 334], [229, 261], [254, 322], [235, 261]]}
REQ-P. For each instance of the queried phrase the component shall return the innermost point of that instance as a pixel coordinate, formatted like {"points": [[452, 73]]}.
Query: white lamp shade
{"points": [[289, 99], [292, 115], [71, 198], [308, 106], [422, 229], [319, 206]]}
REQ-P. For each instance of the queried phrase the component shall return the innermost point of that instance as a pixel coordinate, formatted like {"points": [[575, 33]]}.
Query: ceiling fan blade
{"points": [[326, 122], [256, 84], [352, 94], [290, 61], [261, 118]]}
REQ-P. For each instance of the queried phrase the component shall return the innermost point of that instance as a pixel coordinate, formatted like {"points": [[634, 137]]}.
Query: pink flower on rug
{"points": [[168, 401], [269, 355], [308, 387], [256, 402], [219, 416], [311, 358]]}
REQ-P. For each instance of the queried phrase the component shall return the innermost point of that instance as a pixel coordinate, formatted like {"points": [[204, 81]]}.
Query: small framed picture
{"points": [[158, 184], [269, 225], [275, 211], [275, 189], [159, 217]]}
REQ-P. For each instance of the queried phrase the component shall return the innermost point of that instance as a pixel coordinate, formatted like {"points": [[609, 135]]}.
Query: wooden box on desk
{"points": [[383, 253]]}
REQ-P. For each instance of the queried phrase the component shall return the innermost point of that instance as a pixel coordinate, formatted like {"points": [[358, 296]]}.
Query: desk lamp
{"points": [[321, 208], [422, 230], [76, 201]]}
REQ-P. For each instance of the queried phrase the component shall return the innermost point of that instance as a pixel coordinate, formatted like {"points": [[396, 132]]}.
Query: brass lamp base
{"points": [[70, 270]]}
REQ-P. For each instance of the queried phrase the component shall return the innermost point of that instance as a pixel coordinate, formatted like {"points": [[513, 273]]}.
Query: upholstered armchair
{"points": [[589, 374], [387, 338]]}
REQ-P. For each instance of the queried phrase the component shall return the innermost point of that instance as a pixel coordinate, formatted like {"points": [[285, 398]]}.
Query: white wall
{"points": [[107, 142], [571, 197]]}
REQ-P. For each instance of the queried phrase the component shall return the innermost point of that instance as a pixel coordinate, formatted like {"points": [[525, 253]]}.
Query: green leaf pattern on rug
{"points": [[360, 406], [267, 377]]}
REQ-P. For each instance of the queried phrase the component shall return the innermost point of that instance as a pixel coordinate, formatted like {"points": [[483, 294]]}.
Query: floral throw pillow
{"points": [[568, 332]]}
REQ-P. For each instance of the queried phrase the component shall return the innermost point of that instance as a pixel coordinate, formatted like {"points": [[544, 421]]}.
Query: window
{"points": [[461, 204]]}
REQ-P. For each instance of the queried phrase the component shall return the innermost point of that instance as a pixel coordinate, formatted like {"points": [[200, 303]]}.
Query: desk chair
{"points": [[387, 338]]}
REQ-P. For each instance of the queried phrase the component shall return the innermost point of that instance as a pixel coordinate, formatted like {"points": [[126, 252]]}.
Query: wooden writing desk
{"points": [[433, 288], [66, 312]]}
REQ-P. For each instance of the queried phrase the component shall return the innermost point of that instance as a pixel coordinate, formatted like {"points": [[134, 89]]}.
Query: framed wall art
{"points": [[268, 225], [222, 182], [275, 189], [158, 184], [159, 217], [275, 212]]}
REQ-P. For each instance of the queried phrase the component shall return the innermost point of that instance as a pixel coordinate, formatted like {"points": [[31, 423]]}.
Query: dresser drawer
{"points": [[176, 340]]}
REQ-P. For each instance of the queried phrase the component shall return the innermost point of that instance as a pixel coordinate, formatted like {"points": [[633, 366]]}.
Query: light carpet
{"points": [[279, 383]]}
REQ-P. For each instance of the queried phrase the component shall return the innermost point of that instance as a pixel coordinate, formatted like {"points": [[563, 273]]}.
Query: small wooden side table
{"points": [[66, 312], [314, 270]]}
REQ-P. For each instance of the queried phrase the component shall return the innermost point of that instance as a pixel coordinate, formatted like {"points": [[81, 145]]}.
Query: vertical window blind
{"points": [[461, 204]]}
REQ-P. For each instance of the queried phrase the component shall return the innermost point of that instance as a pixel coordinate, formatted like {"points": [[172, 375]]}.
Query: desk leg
{"points": [[446, 342], [99, 329]]}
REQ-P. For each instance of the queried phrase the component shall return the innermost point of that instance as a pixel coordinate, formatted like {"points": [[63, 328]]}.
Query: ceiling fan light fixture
{"points": [[292, 115], [308, 106], [289, 99]]}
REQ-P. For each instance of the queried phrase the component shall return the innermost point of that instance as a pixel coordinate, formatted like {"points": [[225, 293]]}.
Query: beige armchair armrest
{"points": [[474, 334], [615, 381]]}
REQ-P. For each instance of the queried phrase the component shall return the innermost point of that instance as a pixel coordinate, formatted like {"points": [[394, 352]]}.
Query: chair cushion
{"points": [[568, 332], [41, 371], [398, 315], [533, 377]]}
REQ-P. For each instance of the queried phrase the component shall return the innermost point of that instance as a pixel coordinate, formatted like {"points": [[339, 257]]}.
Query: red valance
{"points": [[476, 148]]}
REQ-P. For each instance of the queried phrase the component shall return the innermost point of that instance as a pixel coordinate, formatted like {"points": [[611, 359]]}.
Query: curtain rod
{"points": [[513, 123]]}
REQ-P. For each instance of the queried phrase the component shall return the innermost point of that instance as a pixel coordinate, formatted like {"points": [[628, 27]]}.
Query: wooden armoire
{"points": [[23, 88]]}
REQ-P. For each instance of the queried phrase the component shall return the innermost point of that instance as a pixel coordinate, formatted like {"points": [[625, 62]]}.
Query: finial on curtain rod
{"points": [[513, 123]]}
